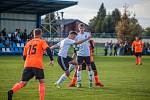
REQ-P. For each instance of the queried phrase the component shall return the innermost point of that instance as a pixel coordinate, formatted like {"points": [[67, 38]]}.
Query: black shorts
{"points": [[86, 59], [64, 62], [93, 66], [138, 54], [30, 72]]}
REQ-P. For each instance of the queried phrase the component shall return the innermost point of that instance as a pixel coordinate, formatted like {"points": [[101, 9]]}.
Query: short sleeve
{"points": [[71, 41], [25, 50], [44, 44]]}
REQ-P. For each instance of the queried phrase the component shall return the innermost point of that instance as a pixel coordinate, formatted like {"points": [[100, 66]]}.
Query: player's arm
{"points": [[81, 41], [55, 46], [25, 53], [49, 53], [48, 50]]}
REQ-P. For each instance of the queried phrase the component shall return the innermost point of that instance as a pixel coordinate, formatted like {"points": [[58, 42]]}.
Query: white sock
{"points": [[62, 78], [79, 76], [71, 67], [90, 73]]}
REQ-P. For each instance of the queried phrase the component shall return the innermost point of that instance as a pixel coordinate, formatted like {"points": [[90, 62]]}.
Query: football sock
{"points": [[62, 78], [17, 87], [137, 60], [140, 60], [90, 73], [79, 76], [71, 67], [96, 78], [42, 91]]}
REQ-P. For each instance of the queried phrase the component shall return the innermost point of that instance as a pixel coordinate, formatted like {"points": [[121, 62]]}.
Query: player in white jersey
{"points": [[63, 59], [83, 54]]}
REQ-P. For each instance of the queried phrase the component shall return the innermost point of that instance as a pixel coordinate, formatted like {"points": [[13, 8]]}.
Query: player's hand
{"points": [[89, 37], [51, 63]]}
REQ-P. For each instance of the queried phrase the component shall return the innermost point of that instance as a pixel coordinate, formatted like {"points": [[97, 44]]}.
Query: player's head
{"points": [[81, 27], [72, 34], [137, 38], [37, 32]]}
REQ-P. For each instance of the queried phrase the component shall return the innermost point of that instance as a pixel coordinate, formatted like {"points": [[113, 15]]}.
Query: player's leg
{"points": [[80, 61], [39, 74], [96, 77], [90, 72], [67, 66], [41, 89], [137, 58], [26, 76], [140, 58], [74, 79]]}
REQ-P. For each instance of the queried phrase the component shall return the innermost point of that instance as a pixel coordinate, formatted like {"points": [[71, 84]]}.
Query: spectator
{"points": [[116, 46], [7, 42], [24, 36], [106, 48], [4, 32], [110, 46]]}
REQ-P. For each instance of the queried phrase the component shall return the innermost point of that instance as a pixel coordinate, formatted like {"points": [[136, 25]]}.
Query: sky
{"points": [[87, 9]]}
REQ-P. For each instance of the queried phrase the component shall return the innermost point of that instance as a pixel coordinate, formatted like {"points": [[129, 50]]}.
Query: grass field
{"points": [[123, 80]]}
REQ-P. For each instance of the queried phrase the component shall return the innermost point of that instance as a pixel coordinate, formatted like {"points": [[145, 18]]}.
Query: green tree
{"points": [[146, 31], [99, 19], [116, 16], [107, 24]]}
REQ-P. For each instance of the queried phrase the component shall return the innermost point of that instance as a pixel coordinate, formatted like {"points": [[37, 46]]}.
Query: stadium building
{"points": [[26, 14]]}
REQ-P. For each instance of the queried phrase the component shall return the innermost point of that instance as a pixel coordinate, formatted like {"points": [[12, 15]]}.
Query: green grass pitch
{"points": [[123, 80]]}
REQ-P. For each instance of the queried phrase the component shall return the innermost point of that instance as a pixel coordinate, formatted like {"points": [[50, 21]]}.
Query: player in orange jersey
{"points": [[96, 78], [33, 56], [137, 45]]}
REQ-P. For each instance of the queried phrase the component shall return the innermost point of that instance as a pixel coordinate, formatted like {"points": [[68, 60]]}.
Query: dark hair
{"points": [[37, 31], [72, 33], [81, 25]]}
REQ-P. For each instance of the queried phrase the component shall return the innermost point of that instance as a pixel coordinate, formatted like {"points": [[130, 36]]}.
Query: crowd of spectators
{"points": [[121, 49], [15, 37]]}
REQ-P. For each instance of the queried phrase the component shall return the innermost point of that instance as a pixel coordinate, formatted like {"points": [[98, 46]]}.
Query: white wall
{"points": [[12, 21]]}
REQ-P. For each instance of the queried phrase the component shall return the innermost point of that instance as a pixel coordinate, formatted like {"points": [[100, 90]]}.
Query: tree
{"points": [[127, 28], [116, 16], [107, 24], [96, 24], [147, 31], [92, 24]]}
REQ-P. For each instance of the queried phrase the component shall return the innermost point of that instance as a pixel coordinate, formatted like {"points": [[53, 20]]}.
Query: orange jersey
{"points": [[138, 46], [91, 50], [33, 51], [91, 55]]}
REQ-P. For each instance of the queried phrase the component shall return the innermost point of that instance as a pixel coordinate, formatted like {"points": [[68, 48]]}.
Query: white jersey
{"points": [[83, 48], [64, 46]]}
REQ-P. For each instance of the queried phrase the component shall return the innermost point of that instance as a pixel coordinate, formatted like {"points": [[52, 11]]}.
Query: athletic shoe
{"points": [[78, 85], [10, 94], [57, 85], [140, 63], [90, 85], [99, 84], [72, 85]]}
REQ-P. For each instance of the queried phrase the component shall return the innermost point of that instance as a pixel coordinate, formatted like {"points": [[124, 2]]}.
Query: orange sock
{"points": [[42, 91], [17, 87], [96, 79], [137, 60], [140, 60], [74, 80]]}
